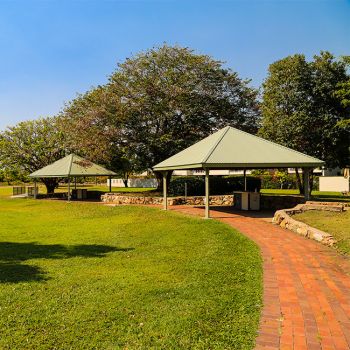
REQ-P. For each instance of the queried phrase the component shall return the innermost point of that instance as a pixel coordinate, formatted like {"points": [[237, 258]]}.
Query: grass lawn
{"points": [[316, 195], [87, 276], [337, 224]]}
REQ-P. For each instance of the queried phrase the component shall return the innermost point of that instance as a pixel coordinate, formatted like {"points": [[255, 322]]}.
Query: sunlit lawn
{"points": [[87, 276], [316, 195], [337, 224]]}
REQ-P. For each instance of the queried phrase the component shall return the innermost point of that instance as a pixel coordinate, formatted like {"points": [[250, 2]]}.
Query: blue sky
{"points": [[52, 50]]}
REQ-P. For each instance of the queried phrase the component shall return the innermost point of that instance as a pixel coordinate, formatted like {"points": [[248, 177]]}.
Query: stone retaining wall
{"points": [[285, 220], [199, 200]]}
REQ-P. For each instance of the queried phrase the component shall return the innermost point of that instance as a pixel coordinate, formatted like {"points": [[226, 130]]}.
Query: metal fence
{"points": [[18, 190]]}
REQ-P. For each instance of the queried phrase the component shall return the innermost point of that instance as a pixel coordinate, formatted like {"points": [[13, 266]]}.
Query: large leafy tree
{"points": [[31, 145], [159, 102], [301, 110], [173, 97], [343, 93], [93, 127]]}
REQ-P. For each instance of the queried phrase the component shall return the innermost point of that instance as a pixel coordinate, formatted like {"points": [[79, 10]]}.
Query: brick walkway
{"points": [[306, 287]]}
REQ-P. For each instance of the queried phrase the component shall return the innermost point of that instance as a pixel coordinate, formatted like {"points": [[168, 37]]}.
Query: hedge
{"points": [[218, 185]]}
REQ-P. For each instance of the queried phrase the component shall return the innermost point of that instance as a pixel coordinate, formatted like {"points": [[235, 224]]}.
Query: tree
{"points": [[156, 104], [172, 97], [343, 93], [31, 145], [300, 109], [281, 176], [10, 175], [93, 128]]}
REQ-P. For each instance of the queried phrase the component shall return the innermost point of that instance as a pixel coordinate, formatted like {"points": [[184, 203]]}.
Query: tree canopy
{"points": [[157, 103], [300, 108], [31, 145]]}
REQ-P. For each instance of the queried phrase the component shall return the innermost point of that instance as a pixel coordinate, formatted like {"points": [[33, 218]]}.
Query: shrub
{"points": [[218, 185]]}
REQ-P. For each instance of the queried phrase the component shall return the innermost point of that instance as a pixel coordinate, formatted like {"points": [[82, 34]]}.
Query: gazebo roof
{"points": [[72, 165], [232, 148]]}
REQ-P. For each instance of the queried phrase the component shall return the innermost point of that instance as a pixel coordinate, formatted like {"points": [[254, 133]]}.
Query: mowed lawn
{"points": [[87, 276], [337, 224], [316, 195]]}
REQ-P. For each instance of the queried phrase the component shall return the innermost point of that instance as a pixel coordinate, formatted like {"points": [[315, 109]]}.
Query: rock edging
{"points": [[117, 199], [283, 218]]}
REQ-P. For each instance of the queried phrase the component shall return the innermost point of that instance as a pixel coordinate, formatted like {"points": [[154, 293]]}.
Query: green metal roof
{"points": [[72, 165], [233, 148]]}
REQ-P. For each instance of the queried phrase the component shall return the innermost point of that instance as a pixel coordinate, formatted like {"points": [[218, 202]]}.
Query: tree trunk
{"points": [[51, 184], [299, 181], [125, 182]]}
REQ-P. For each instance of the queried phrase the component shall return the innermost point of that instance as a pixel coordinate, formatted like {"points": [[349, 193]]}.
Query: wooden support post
{"points": [[35, 190], [75, 182], [245, 180], [165, 191], [207, 213], [306, 172], [68, 188]]}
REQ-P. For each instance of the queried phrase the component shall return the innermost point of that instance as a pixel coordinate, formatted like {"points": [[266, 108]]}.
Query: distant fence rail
{"points": [[134, 182], [18, 190]]}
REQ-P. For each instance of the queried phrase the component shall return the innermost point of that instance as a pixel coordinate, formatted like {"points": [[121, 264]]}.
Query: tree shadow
{"points": [[13, 254], [17, 272]]}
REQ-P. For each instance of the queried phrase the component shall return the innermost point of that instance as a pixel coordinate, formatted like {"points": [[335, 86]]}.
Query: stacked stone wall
{"points": [[118, 199]]}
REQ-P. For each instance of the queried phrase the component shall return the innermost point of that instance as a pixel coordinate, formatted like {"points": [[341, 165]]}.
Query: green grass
{"points": [[337, 224], [316, 195], [87, 276]]}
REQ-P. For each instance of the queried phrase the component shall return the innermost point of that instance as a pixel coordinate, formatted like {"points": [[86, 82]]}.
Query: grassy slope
{"points": [[85, 276], [338, 224]]}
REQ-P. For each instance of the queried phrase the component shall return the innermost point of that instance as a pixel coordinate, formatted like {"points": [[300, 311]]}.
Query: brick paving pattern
{"points": [[306, 287]]}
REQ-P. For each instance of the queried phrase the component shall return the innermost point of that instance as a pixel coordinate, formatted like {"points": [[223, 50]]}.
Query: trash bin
{"points": [[246, 200]]}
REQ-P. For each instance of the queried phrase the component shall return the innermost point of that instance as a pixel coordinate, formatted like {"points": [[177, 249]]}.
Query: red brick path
{"points": [[306, 287]]}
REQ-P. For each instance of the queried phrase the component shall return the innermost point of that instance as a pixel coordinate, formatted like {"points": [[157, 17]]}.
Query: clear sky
{"points": [[52, 50]]}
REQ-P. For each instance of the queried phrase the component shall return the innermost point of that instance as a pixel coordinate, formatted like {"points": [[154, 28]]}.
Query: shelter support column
{"points": [[306, 172], [165, 191], [35, 189], [207, 214], [245, 179], [68, 188]]}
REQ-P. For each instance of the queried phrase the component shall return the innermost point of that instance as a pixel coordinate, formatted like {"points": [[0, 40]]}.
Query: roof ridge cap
{"points": [[71, 163], [216, 143]]}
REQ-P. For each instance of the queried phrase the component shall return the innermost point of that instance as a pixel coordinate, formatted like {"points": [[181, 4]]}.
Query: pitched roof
{"points": [[233, 148], [72, 165]]}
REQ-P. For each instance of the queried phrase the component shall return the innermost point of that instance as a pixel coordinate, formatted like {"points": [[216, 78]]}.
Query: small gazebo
{"points": [[230, 148], [71, 167]]}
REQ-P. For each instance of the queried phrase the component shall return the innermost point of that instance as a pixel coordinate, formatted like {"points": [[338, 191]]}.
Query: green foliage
{"points": [[343, 93], [300, 109], [83, 276], [217, 185], [276, 179], [31, 145], [92, 124], [173, 97], [156, 104], [11, 175]]}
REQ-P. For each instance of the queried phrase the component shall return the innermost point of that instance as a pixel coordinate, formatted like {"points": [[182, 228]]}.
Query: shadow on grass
{"points": [[330, 198], [12, 256], [17, 272]]}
